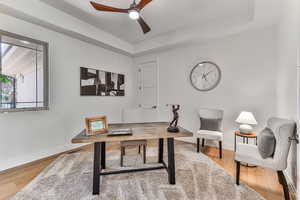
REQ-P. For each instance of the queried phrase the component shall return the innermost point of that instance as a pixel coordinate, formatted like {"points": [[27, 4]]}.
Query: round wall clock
{"points": [[205, 76]]}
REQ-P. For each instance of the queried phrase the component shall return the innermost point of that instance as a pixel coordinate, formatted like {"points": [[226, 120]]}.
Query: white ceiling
{"points": [[173, 22], [163, 16]]}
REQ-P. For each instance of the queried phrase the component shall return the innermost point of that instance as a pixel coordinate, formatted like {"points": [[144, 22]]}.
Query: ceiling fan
{"points": [[133, 11]]}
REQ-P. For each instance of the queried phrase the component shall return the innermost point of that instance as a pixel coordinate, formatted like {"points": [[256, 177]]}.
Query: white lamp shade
{"points": [[246, 118]]}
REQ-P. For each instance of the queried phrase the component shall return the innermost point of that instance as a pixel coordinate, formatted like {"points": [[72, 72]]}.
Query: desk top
{"points": [[140, 131]]}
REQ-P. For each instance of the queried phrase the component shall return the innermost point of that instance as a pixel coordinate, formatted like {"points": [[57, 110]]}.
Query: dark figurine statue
{"points": [[173, 125]]}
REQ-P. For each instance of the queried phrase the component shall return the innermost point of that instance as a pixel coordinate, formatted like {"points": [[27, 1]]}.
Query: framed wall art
{"points": [[95, 82]]}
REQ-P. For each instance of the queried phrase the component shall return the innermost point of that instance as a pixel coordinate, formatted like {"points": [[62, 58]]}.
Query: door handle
{"points": [[154, 107]]}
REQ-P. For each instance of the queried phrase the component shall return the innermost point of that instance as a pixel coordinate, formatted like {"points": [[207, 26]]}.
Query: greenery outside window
{"points": [[23, 73]]}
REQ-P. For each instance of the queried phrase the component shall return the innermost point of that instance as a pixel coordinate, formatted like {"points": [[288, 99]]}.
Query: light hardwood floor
{"points": [[262, 180]]}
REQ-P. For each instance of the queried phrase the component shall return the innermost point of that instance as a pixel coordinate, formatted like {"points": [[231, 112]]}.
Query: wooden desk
{"points": [[141, 131]]}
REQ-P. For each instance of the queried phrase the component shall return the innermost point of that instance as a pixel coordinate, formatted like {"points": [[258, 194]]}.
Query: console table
{"points": [[140, 131], [245, 137]]}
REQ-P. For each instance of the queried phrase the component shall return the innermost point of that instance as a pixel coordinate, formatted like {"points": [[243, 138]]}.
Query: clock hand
{"points": [[208, 73]]}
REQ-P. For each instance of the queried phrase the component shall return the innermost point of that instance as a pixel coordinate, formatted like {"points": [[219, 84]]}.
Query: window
{"points": [[23, 73]]}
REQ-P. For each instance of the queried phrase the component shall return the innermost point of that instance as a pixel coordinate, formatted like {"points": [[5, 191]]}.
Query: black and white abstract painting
{"points": [[95, 82]]}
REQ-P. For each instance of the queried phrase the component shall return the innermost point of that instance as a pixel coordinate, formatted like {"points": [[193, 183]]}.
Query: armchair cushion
{"points": [[210, 135], [210, 124], [266, 143], [248, 153]]}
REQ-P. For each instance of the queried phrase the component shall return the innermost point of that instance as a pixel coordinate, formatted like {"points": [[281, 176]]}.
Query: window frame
{"points": [[45, 46]]}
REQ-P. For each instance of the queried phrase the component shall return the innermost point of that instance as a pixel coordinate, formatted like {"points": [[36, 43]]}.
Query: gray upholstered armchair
{"points": [[282, 129], [210, 133]]}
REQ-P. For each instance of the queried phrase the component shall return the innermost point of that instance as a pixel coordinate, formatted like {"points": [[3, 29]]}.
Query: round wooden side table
{"points": [[245, 140]]}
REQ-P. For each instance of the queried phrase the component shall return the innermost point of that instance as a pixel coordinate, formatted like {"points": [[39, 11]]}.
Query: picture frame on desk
{"points": [[96, 125]]}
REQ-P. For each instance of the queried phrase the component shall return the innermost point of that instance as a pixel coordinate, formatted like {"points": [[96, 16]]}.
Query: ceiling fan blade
{"points": [[101, 7], [143, 25], [142, 4]]}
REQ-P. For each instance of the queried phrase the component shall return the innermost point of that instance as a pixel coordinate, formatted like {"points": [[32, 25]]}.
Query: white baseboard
{"points": [[16, 162]]}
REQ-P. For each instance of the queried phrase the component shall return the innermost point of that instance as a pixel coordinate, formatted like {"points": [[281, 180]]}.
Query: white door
{"points": [[148, 97]]}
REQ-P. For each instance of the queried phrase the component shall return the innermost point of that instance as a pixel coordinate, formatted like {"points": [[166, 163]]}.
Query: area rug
{"points": [[69, 177]]}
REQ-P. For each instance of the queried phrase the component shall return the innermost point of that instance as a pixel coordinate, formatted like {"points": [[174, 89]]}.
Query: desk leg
{"points": [[96, 173], [103, 155], [171, 161], [160, 150], [198, 145]]}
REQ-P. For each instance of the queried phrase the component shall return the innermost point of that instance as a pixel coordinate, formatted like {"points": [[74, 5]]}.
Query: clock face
{"points": [[205, 76]]}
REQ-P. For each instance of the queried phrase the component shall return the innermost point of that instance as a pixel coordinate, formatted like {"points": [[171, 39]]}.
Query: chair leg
{"points": [[279, 178], [203, 142], [282, 180], [198, 145], [220, 149], [122, 156], [238, 167], [144, 151]]}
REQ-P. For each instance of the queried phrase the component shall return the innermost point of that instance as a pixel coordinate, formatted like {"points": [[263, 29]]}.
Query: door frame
{"points": [[139, 79]]}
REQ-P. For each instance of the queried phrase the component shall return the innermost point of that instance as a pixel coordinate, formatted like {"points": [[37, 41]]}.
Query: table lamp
{"points": [[246, 119]]}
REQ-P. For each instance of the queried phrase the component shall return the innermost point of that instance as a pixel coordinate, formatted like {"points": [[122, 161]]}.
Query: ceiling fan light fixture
{"points": [[134, 14]]}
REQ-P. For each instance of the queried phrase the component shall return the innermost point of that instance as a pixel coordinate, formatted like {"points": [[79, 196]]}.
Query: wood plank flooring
{"points": [[262, 180]]}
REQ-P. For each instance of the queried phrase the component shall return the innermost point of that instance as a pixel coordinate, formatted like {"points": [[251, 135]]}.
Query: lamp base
{"points": [[245, 129]]}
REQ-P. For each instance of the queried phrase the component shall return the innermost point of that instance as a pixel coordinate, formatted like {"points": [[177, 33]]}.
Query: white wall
{"points": [[288, 43], [248, 64], [29, 136]]}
